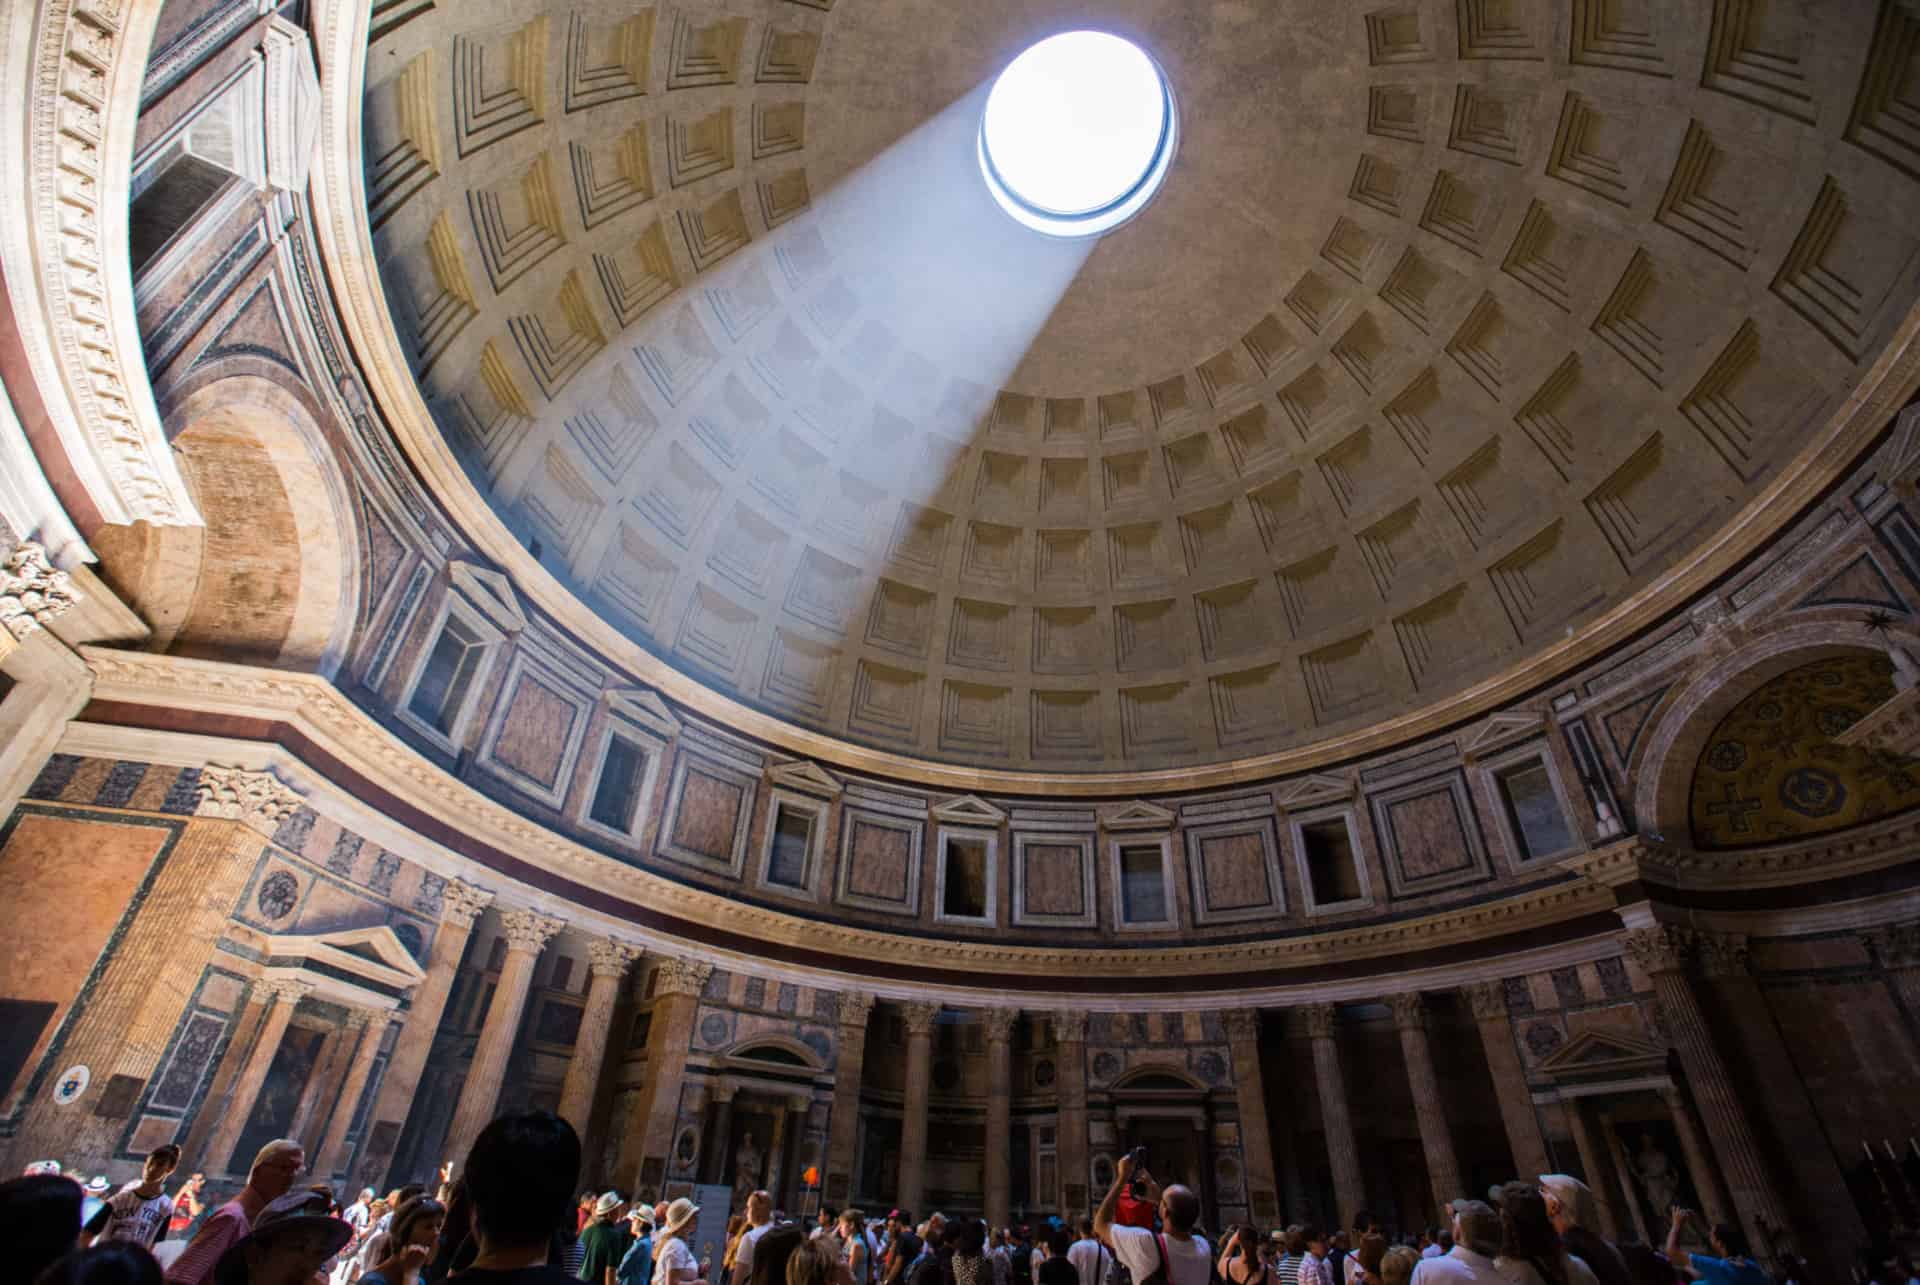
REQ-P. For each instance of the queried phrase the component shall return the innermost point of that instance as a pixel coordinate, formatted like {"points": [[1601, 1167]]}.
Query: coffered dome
{"points": [[1464, 338]]}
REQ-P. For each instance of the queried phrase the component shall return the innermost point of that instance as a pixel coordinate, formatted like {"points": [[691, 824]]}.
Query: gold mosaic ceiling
{"points": [[1457, 323]]}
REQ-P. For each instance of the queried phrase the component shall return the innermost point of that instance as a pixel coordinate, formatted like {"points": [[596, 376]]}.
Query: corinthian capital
{"points": [[921, 1015], [999, 1023], [1723, 954], [610, 958], [1320, 1019], [855, 1007], [1487, 999], [32, 592], [1409, 1011], [1070, 1028], [529, 931], [287, 990], [461, 903], [1659, 948], [1895, 945], [1241, 1023], [256, 799], [681, 977]]}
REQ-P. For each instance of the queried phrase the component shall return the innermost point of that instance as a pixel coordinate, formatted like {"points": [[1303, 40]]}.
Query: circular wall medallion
{"points": [[685, 1148], [713, 1029], [1727, 756], [1812, 792], [1042, 1073], [71, 1085], [1078, 134], [1106, 1065], [1211, 1067], [279, 892], [1543, 1038]]}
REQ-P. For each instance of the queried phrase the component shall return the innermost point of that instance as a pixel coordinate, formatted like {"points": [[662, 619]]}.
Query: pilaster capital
{"points": [[1723, 954], [357, 1019], [921, 1015], [256, 799], [800, 1103], [33, 593], [722, 1093], [1659, 948], [461, 903], [611, 958], [529, 931], [287, 990], [1409, 1011], [1321, 1019], [681, 977], [1896, 946], [1241, 1023], [1070, 1028], [999, 1023], [1488, 1000], [853, 1008]]}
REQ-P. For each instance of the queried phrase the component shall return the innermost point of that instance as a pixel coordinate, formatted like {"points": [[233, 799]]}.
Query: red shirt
{"points": [[1133, 1212]]}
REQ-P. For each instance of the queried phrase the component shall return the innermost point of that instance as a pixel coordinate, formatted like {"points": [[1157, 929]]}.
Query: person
{"points": [[636, 1265], [824, 1224], [774, 1248], [187, 1207], [904, 1251], [1569, 1206], [106, 1262], [1020, 1255], [730, 1242], [809, 1263], [286, 1243], [1088, 1256], [1396, 1268], [520, 1177], [602, 1242], [1055, 1267], [271, 1175], [1294, 1252], [970, 1264], [139, 1211], [1346, 1266], [759, 1219], [1139, 1202], [1240, 1262], [39, 1219], [852, 1237], [355, 1215], [1367, 1259], [1731, 1263], [583, 1211], [932, 1267], [1314, 1267], [673, 1260], [1176, 1252], [1531, 1252], [1476, 1239], [457, 1245], [411, 1239], [1000, 1256]]}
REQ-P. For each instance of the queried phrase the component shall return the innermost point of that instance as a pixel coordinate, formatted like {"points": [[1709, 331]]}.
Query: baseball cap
{"points": [[1479, 1225], [1572, 1194]]}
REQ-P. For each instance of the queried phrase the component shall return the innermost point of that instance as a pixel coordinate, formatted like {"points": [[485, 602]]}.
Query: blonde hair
{"points": [[1396, 1267]]}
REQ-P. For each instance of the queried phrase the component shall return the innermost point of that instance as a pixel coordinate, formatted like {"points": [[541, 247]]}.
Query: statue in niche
{"points": [[746, 1169], [1654, 1171]]}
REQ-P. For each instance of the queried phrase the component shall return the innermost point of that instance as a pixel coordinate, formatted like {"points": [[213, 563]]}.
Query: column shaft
{"points": [[1070, 1142], [609, 961], [253, 1076], [1706, 1180], [1524, 1139], [643, 1152], [400, 1084], [323, 1082], [721, 1130], [1599, 1169], [998, 1176], [913, 1120], [1256, 1138], [849, 1065], [1429, 1110], [527, 934], [333, 1147], [1343, 1153], [213, 1108]]}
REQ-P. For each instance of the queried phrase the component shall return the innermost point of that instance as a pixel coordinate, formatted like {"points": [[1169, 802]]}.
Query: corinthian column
{"points": [[527, 933], [849, 1064], [1250, 1090], [460, 906], [1349, 1188], [643, 1152], [1662, 951], [913, 1111], [253, 1075], [1071, 1140], [1897, 947], [1706, 1180], [333, 1148], [609, 961], [1443, 1171], [1489, 1003], [999, 1176]]}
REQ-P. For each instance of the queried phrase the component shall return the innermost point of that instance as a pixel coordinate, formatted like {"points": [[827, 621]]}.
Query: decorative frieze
{"points": [[33, 593]]}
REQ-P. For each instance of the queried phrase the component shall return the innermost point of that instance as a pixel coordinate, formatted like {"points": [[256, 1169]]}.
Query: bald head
{"points": [[1179, 1209], [759, 1208], [275, 1166]]}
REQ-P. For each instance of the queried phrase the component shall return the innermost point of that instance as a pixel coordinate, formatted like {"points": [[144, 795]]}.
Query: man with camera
{"points": [[1172, 1256]]}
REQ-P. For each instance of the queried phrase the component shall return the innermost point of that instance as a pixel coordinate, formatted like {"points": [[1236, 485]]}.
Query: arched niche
{"points": [[270, 578]]}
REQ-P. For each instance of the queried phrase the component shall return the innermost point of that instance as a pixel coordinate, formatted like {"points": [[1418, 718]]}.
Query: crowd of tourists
{"points": [[513, 1217]]}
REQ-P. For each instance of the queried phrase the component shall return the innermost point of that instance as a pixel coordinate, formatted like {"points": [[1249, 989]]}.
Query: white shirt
{"points": [[1188, 1261], [1432, 1251], [1458, 1266], [673, 1255], [1090, 1259], [1521, 1272], [743, 1252]]}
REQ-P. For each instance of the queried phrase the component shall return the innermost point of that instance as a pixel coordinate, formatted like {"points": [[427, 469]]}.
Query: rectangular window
{"points": [[616, 798], [1331, 870], [562, 972], [792, 841], [1143, 885], [1534, 810], [964, 895], [449, 671]]}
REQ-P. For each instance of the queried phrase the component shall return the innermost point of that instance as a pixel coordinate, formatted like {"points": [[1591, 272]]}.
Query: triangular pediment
{"points": [[969, 809], [491, 593], [1597, 1054], [1502, 729], [1137, 815], [1317, 787], [374, 953], [645, 708], [806, 778]]}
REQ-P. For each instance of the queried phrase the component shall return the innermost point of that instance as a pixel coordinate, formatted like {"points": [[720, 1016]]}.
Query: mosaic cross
{"points": [[1734, 809]]}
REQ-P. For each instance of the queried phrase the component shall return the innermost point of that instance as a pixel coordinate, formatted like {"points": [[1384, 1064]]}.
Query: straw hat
{"points": [[680, 1213], [608, 1202]]}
